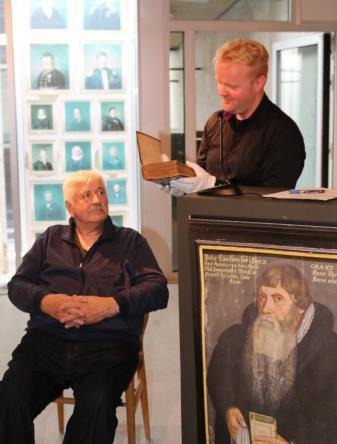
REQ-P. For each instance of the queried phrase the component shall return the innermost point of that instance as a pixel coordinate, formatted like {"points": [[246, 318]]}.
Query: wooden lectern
{"points": [[223, 245]]}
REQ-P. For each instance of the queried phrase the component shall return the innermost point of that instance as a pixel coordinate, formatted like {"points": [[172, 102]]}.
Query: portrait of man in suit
{"points": [[45, 15], [48, 203], [50, 77], [41, 156], [49, 67], [112, 121], [104, 71], [102, 14], [113, 156], [78, 116]]}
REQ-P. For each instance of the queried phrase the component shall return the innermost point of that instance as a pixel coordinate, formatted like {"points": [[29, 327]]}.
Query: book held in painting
{"points": [[154, 168], [260, 426]]}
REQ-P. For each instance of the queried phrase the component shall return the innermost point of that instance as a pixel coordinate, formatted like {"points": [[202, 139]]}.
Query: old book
{"points": [[153, 166], [262, 425]]}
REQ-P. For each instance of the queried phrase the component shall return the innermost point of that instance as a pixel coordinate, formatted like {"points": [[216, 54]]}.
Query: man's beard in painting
{"points": [[269, 361]]}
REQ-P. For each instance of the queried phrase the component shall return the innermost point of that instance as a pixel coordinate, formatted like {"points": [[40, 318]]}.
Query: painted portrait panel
{"points": [[41, 117], [102, 15], [117, 191], [77, 116], [77, 156], [49, 67], [269, 344], [113, 156], [42, 158], [103, 66], [48, 202], [48, 14], [113, 116]]}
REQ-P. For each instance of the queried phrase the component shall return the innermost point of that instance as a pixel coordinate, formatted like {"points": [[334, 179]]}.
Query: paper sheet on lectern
{"points": [[322, 194]]}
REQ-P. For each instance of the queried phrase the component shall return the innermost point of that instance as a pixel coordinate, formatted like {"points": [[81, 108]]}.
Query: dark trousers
{"points": [[42, 366]]}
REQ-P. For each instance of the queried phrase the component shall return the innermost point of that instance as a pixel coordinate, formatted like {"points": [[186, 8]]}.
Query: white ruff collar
{"points": [[305, 323]]}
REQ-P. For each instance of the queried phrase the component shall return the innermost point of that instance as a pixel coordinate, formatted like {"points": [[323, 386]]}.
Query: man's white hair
{"points": [[77, 178]]}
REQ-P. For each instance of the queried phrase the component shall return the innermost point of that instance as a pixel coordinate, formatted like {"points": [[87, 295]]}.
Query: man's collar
{"points": [[108, 232], [258, 116], [305, 323]]}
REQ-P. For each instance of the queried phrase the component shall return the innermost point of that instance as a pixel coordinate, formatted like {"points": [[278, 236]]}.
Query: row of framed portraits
{"points": [[76, 116], [95, 15], [56, 67], [48, 202], [45, 159]]}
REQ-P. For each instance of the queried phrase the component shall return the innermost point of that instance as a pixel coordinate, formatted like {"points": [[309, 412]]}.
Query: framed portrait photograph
{"points": [[78, 156], [42, 156], [269, 342], [102, 15], [103, 66], [117, 219], [48, 14], [113, 156], [49, 67], [117, 191], [48, 202], [41, 118], [77, 116], [112, 116]]}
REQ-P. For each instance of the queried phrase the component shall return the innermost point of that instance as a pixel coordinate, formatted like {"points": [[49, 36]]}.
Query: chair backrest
{"points": [[142, 332]]}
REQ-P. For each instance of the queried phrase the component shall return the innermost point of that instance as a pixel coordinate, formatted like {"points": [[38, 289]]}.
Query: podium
{"points": [[223, 243]]}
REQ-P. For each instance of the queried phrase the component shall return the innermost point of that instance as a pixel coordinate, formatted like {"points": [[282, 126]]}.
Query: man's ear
{"points": [[69, 207], [260, 82]]}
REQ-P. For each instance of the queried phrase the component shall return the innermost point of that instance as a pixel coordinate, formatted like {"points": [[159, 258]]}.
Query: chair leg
{"points": [[131, 412], [145, 403], [60, 414]]}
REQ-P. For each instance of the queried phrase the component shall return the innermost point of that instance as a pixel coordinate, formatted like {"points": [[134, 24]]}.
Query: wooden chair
{"points": [[136, 391]]}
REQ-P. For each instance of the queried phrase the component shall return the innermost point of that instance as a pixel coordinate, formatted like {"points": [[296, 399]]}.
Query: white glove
{"points": [[187, 185]]}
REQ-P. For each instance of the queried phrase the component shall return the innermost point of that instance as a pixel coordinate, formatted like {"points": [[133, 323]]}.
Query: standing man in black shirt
{"points": [[250, 141]]}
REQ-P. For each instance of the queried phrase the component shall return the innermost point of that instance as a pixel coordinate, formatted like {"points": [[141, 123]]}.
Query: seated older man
{"points": [[86, 286]]}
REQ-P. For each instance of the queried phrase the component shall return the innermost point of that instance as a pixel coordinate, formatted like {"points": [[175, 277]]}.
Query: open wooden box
{"points": [[154, 168]]}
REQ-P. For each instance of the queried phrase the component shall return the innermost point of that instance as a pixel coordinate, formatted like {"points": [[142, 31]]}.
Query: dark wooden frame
{"points": [[249, 218]]}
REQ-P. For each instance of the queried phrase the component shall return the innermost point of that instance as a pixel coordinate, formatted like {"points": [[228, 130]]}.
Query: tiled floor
{"points": [[162, 367]]}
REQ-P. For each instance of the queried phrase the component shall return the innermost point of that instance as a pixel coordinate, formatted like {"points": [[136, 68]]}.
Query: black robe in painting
{"points": [[309, 414]]}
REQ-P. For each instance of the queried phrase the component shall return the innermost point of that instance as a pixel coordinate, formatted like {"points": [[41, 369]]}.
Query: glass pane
{"points": [[297, 69], [2, 18], [7, 250], [275, 10], [177, 95], [177, 121]]}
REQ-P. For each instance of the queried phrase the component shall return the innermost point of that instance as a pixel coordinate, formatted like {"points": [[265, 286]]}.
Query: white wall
{"points": [[323, 10], [154, 119]]}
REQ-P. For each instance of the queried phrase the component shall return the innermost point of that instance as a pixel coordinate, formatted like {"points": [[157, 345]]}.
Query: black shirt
{"points": [[119, 264], [267, 149]]}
